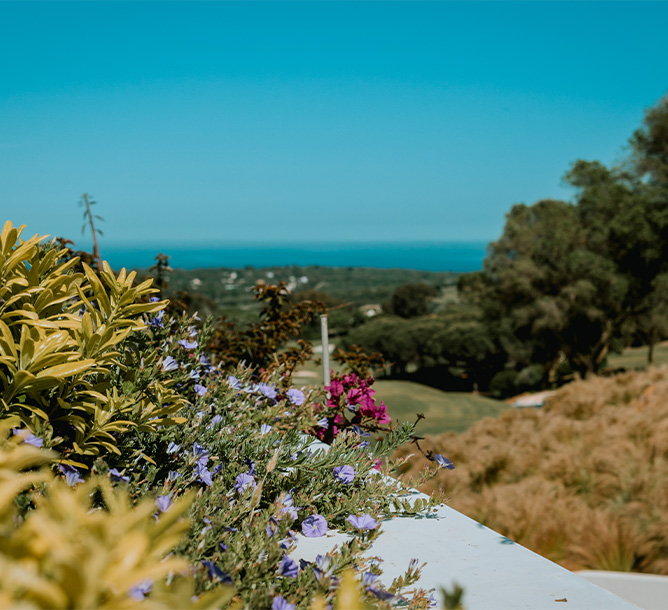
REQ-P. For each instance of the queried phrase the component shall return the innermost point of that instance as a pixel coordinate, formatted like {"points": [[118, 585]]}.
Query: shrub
{"points": [[65, 358], [580, 481], [73, 552], [95, 370]]}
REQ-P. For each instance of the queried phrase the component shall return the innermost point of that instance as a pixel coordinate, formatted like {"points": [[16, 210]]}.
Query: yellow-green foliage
{"points": [[581, 481], [67, 553], [60, 334]]}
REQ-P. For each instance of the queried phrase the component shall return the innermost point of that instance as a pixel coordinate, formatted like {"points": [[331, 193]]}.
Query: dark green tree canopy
{"points": [[411, 300]]}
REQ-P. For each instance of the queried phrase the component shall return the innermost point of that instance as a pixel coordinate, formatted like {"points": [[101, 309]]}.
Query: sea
{"points": [[459, 257]]}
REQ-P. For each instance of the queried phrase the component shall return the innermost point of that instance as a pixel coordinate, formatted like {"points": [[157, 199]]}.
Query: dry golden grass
{"points": [[583, 481]]}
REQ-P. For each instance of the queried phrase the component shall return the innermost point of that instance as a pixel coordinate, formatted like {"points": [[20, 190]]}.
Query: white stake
{"points": [[325, 348]]}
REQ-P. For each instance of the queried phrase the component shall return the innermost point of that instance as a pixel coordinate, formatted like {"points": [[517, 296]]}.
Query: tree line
{"points": [[564, 285]]}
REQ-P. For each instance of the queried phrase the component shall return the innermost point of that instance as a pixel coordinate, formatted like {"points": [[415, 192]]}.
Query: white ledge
{"points": [[496, 573]]}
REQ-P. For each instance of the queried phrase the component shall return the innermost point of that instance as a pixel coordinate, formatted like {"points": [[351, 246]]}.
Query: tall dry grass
{"points": [[583, 481]]}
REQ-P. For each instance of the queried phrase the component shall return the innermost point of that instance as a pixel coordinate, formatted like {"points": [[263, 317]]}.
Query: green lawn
{"points": [[444, 411], [636, 357]]}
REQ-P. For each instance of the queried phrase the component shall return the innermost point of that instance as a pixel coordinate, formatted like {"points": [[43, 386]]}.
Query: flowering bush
{"points": [[350, 404], [155, 425]]}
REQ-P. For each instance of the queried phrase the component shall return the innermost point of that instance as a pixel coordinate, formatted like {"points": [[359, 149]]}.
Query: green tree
{"points": [[625, 213], [411, 300], [546, 295]]}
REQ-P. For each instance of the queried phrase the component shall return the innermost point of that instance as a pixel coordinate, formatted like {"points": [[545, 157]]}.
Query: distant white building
{"points": [[371, 309]]}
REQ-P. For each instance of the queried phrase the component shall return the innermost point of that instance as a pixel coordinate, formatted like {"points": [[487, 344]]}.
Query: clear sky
{"points": [[216, 123]]}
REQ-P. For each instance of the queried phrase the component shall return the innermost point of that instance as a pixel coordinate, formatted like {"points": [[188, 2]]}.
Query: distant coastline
{"points": [[459, 257]]}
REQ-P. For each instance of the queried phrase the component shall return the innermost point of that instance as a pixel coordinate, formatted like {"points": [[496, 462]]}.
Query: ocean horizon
{"points": [[459, 257]]}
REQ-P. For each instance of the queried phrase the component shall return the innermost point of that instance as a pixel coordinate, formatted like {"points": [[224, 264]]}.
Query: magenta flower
{"points": [[314, 526], [345, 474], [355, 396], [363, 522], [335, 388]]}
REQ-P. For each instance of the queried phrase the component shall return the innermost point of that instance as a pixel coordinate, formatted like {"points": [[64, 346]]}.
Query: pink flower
{"points": [[355, 396], [335, 388]]}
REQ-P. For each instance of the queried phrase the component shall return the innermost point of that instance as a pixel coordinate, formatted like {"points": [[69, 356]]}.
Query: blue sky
{"points": [[218, 123]]}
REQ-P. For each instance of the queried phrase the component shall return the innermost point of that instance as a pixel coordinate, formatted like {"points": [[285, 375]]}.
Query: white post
{"points": [[325, 348]]}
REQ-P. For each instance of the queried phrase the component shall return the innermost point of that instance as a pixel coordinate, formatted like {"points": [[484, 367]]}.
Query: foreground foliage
{"points": [[170, 476]]}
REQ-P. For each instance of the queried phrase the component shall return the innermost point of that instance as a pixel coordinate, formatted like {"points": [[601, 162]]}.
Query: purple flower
{"points": [[265, 428], [200, 390], [194, 374], [215, 573], [288, 567], [288, 541], [71, 474], [296, 396], [251, 466], [203, 474], [243, 482], [444, 462], [287, 507], [363, 522], [157, 321], [140, 590], [201, 453], [368, 578], [345, 474], [163, 502], [380, 593], [169, 364], [208, 367], [185, 344], [114, 475], [30, 439], [172, 475], [222, 546], [314, 526], [266, 389], [215, 420], [323, 423], [280, 603], [234, 382], [153, 300], [173, 447], [322, 567]]}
